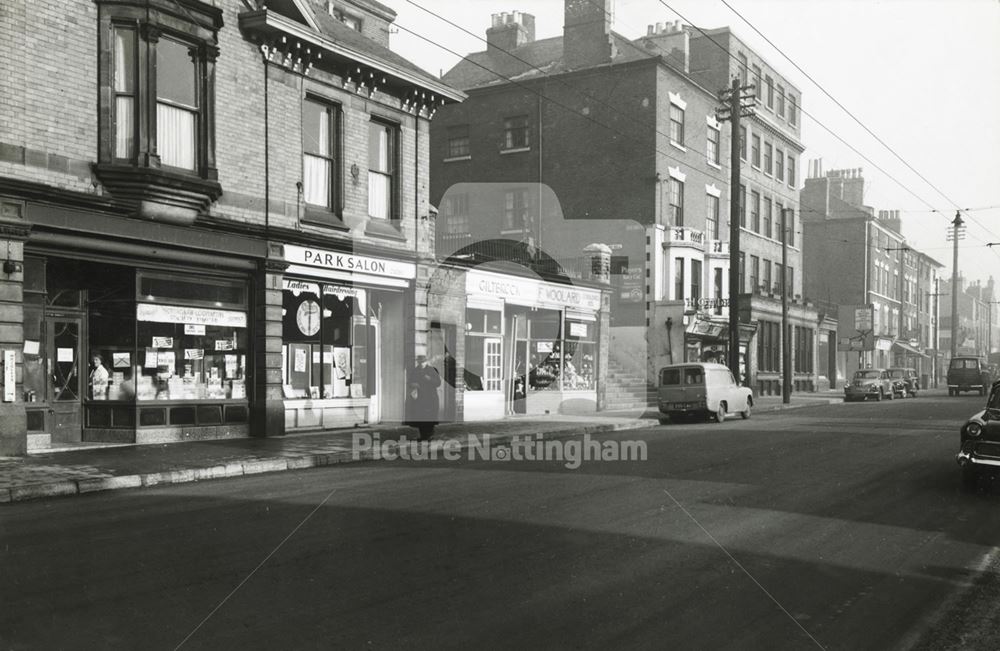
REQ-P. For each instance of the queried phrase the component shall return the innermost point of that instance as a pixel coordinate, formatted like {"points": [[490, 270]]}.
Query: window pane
{"points": [[379, 186], [379, 148], [124, 60], [316, 180], [124, 127], [315, 129], [175, 73], [175, 136]]}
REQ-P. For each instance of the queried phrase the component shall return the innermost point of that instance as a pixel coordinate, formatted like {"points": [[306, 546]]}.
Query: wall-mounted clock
{"points": [[307, 317]]}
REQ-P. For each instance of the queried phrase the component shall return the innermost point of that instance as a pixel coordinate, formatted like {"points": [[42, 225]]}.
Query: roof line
{"points": [[298, 30]]}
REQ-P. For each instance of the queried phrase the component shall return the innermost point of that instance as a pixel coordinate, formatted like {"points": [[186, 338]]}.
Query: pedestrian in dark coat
{"points": [[422, 405]]}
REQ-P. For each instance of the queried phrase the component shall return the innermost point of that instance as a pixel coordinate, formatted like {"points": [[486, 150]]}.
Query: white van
{"points": [[701, 388]]}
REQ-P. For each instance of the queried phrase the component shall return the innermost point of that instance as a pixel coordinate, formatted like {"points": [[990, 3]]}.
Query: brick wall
{"points": [[49, 134], [48, 99]]}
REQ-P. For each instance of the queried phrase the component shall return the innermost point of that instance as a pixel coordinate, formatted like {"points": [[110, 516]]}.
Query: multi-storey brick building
{"points": [[857, 260], [769, 156], [976, 323], [590, 137], [219, 207]]}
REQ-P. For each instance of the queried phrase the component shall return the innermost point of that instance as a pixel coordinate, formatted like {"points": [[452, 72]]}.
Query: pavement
{"points": [[46, 474]]}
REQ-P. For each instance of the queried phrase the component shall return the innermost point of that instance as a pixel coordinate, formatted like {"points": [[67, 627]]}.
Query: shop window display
{"points": [[578, 360], [546, 350], [326, 341], [191, 344]]}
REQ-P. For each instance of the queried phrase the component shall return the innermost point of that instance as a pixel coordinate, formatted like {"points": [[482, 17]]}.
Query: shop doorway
{"points": [[67, 367]]}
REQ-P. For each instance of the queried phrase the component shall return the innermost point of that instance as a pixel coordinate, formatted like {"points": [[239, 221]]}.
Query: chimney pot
{"points": [[659, 28], [649, 30]]}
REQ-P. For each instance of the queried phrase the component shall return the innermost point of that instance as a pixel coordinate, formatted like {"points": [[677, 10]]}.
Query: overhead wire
{"points": [[549, 76], [854, 117], [614, 109]]}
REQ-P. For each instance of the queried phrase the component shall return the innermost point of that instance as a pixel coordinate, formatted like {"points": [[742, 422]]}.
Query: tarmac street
{"points": [[837, 526]]}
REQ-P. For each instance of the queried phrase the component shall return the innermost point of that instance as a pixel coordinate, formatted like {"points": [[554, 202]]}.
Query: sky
{"points": [[922, 75]]}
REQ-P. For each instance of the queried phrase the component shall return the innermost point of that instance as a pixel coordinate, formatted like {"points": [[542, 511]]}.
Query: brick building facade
{"points": [[618, 144], [855, 258], [224, 204]]}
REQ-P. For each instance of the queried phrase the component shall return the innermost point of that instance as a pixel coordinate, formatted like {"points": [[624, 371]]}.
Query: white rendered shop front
{"points": [[343, 353], [531, 346]]}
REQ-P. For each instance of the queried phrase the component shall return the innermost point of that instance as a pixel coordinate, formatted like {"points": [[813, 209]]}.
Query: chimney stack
{"points": [[673, 41], [509, 31], [587, 33]]}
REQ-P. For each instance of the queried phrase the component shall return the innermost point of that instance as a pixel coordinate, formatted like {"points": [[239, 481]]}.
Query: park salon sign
{"points": [[526, 291], [349, 262]]}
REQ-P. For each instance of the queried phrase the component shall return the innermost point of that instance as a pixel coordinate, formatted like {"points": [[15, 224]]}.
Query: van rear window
{"points": [[688, 376], [965, 363], [693, 376], [670, 376]]}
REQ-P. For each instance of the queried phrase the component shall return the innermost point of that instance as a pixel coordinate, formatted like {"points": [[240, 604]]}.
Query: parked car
{"points": [[873, 383], [967, 374], [701, 388], [980, 440], [906, 380]]}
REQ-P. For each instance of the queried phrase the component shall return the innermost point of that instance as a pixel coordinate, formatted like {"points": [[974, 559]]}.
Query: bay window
{"points": [[155, 106]]}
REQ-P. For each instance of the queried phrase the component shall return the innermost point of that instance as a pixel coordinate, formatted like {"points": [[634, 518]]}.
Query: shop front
{"points": [[343, 338], [531, 346], [133, 352], [706, 339]]}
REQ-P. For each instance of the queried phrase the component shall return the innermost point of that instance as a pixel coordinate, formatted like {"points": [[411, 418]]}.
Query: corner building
{"points": [[591, 137], [224, 203]]}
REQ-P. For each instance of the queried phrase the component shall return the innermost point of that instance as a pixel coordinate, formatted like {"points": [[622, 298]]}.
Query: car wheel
{"points": [[879, 397], [970, 477], [745, 414], [891, 395], [664, 420], [720, 415], [913, 394]]}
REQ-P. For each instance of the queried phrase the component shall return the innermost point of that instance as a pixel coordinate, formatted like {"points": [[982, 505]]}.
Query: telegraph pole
{"points": [[734, 106], [786, 339], [956, 235]]}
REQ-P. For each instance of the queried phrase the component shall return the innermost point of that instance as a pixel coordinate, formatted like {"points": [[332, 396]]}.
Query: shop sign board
{"points": [[329, 289], [9, 375], [855, 324], [190, 315], [349, 262], [526, 291]]}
